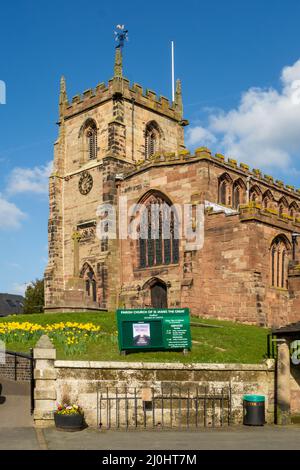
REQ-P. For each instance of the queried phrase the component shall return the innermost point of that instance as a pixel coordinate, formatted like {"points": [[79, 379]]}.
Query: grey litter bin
{"points": [[254, 410]]}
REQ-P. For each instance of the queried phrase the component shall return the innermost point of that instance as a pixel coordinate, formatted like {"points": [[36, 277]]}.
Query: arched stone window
{"points": [[239, 191], [88, 134], [282, 207], [158, 242], [152, 139], [255, 194], [279, 262], [225, 190], [268, 200], [88, 275], [294, 210]]}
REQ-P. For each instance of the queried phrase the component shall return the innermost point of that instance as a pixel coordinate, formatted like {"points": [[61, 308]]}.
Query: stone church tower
{"points": [[105, 132]]}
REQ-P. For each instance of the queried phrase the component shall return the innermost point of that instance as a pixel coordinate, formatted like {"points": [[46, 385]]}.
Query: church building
{"points": [[118, 141]]}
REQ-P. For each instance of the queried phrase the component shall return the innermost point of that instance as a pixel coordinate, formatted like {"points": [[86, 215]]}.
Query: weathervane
{"points": [[121, 35]]}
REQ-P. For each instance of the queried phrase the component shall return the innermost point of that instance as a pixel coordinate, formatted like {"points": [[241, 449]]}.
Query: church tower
{"points": [[104, 132]]}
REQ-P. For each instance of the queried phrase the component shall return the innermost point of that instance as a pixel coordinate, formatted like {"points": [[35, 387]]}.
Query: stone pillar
{"points": [[283, 391], [45, 382]]}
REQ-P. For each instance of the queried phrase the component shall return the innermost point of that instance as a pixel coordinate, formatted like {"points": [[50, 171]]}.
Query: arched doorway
{"points": [[159, 294]]}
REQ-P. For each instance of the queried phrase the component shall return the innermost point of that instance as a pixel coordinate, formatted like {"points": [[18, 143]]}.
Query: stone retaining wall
{"points": [[79, 381]]}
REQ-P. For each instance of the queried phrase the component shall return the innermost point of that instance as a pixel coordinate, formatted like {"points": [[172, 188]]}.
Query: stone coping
{"points": [[268, 365]]}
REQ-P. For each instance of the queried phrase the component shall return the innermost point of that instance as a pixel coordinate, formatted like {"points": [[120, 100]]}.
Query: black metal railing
{"points": [[168, 407]]}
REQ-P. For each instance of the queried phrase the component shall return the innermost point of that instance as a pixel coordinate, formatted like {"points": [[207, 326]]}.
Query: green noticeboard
{"points": [[158, 329]]}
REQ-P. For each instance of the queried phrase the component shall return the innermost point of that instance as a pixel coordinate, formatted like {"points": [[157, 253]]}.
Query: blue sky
{"points": [[238, 61]]}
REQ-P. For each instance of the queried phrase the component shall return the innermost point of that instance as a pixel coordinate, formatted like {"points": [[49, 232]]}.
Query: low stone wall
{"points": [[79, 381], [15, 368]]}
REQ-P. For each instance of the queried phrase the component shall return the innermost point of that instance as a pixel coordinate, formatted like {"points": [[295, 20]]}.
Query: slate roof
{"points": [[11, 304], [287, 329]]}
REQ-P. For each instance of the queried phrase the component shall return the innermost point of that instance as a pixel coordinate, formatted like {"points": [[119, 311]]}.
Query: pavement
{"points": [[242, 438], [235, 438], [17, 432]]}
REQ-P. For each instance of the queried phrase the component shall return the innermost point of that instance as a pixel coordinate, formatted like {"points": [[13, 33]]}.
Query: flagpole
{"points": [[173, 72]]}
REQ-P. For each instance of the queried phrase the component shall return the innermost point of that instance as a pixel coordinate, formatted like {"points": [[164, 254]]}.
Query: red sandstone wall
{"points": [[230, 277]]}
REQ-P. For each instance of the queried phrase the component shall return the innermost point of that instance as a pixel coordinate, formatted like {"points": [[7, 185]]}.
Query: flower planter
{"points": [[69, 422]]}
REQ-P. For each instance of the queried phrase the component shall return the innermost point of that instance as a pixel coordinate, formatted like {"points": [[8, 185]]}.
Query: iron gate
{"points": [[169, 407]]}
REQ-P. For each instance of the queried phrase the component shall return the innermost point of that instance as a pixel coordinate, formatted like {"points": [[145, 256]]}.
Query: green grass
{"points": [[233, 342]]}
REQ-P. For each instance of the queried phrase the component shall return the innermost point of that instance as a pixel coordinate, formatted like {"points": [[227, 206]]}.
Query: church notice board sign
{"points": [[154, 329]]}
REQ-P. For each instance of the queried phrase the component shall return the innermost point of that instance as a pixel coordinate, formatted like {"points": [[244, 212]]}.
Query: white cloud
{"points": [[30, 180], [21, 180], [199, 134], [263, 130], [10, 215]]}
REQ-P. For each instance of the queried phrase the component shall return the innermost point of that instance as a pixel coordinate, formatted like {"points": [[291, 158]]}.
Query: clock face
{"points": [[85, 183]]}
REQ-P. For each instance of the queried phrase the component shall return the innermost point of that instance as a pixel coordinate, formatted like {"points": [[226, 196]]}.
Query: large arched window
{"points": [[88, 133], [152, 139], [279, 260], [158, 231], [225, 190], [90, 282]]}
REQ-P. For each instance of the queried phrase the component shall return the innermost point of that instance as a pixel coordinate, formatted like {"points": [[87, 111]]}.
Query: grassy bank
{"points": [[230, 342]]}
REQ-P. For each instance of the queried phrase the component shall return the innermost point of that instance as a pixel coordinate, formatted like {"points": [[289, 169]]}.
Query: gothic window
{"points": [[293, 210], [158, 232], [255, 194], [239, 191], [152, 137], [279, 250], [280, 210], [225, 188], [88, 134], [90, 282], [268, 200], [282, 207]]}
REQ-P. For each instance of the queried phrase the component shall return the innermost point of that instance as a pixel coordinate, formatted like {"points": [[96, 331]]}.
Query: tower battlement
{"points": [[120, 88]]}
